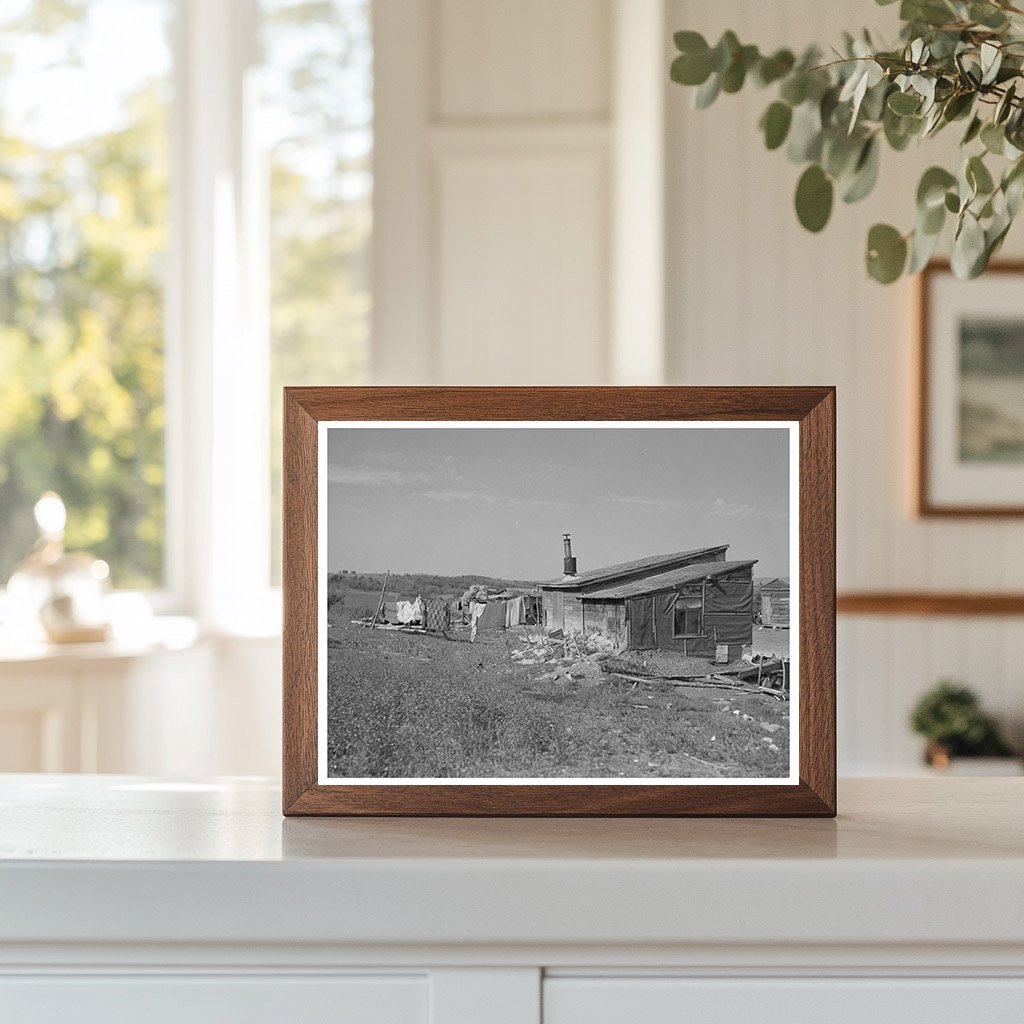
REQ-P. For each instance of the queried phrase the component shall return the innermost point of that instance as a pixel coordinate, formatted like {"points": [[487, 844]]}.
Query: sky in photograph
{"points": [[495, 502]]}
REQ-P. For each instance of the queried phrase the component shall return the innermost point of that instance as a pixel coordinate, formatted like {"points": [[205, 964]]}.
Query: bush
{"points": [[950, 716]]}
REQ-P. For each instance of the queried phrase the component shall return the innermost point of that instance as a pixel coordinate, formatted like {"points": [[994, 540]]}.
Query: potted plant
{"points": [[956, 62], [950, 718]]}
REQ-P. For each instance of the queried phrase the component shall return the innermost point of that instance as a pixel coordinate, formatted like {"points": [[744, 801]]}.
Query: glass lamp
{"points": [[54, 595]]}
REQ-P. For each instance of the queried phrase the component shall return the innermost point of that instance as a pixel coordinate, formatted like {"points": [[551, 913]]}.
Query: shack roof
{"points": [[667, 580], [776, 584], [612, 572]]}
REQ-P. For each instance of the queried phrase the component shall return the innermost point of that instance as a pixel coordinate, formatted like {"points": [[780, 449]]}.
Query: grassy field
{"points": [[413, 705]]}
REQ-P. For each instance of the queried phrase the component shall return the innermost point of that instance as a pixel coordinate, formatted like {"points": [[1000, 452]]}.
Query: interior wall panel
{"points": [[521, 204], [528, 58], [520, 287]]}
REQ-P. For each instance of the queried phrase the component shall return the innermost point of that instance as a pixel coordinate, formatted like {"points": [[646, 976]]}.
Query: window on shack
{"points": [[687, 616]]}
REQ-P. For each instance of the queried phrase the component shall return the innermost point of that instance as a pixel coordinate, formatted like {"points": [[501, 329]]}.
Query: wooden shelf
{"points": [[915, 603]]}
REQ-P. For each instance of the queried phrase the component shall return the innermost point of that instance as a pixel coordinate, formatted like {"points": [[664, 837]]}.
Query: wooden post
{"points": [[380, 603]]}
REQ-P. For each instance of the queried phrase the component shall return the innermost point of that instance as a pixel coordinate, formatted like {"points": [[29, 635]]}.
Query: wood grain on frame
{"points": [[922, 501], [813, 408]]}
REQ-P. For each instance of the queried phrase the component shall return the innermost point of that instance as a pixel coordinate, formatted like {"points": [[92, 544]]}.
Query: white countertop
{"points": [[120, 859]]}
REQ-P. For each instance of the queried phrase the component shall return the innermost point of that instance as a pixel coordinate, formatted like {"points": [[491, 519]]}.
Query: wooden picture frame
{"points": [[941, 488], [806, 414]]}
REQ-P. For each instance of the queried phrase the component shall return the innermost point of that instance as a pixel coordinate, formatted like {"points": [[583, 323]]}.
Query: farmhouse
{"points": [[689, 601], [774, 604]]}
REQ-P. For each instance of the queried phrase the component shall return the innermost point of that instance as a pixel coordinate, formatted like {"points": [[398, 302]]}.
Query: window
{"points": [[83, 237], [185, 222], [687, 616], [317, 117]]}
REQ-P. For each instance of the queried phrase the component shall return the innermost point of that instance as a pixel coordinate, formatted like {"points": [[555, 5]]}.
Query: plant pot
{"points": [[938, 758]]}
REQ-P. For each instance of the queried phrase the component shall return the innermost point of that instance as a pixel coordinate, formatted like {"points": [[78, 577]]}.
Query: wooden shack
{"points": [[774, 604], [687, 601]]}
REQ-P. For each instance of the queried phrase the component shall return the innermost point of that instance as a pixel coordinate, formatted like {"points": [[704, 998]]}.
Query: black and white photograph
{"points": [[584, 602]]}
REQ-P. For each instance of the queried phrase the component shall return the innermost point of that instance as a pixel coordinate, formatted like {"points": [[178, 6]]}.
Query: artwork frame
{"points": [[810, 793], [955, 473]]}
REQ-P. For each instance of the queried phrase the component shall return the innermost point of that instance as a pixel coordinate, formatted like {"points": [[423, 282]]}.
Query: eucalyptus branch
{"points": [[955, 59]]}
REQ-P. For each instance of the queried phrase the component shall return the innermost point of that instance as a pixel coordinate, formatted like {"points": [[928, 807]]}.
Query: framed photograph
{"points": [[970, 450], [559, 601]]}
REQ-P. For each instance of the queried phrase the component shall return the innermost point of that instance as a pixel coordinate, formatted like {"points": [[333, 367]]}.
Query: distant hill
{"points": [[418, 584]]}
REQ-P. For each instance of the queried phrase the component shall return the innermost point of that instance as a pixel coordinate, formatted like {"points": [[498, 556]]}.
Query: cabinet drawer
{"points": [[626, 1000], [202, 999]]}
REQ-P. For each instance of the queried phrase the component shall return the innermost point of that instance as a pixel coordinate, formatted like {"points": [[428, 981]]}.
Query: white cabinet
{"points": [[126, 899], [829, 1000], [203, 999]]}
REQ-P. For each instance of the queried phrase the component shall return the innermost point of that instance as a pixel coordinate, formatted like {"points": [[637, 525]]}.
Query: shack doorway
{"points": [[641, 623]]}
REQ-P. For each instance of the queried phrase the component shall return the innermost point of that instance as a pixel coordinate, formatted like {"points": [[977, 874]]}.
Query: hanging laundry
{"points": [[493, 616], [438, 617], [515, 612], [476, 611], [410, 613]]}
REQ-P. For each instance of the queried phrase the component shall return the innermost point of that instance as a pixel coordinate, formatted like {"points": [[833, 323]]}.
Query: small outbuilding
{"points": [[773, 602], [691, 602]]}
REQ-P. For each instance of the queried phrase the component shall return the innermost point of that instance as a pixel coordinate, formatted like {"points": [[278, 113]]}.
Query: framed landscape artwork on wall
{"points": [[559, 601], [970, 450]]}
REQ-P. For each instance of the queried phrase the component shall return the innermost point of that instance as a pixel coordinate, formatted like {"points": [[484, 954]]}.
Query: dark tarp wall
{"points": [[493, 616], [728, 618], [641, 623]]}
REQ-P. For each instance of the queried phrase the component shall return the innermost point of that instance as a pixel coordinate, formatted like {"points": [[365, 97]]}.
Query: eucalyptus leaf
{"points": [[993, 138], [814, 196], [735, 74], [1005, 105], [904, 103], [932, 220], [724, 51], [775, 124], [805, 133], [968, 248], [794, 88], [978, 176], [991, 60], [931, 190], [886, 253], [707, 93], [688, 69], [840, 152], [958, 105], [865, 173], [900, 130], [922, 247], [1013, 187], [973, 130], [987, 15], [875, 98], [771, 69]]}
